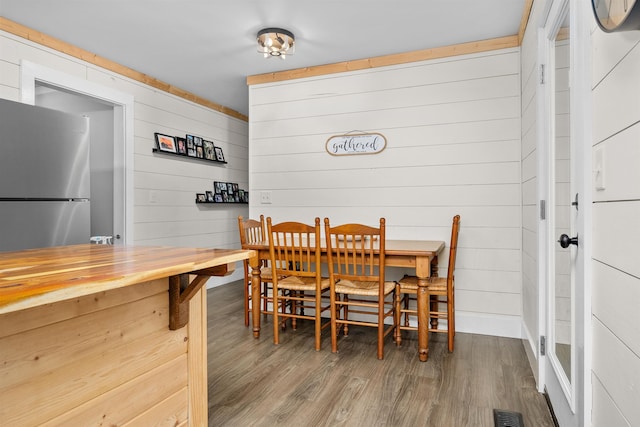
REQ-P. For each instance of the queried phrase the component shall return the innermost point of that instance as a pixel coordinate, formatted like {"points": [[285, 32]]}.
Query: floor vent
{"points": [[507, 419]]}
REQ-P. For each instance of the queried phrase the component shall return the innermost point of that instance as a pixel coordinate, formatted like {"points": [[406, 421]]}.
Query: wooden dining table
{"points": [[420, 255]]}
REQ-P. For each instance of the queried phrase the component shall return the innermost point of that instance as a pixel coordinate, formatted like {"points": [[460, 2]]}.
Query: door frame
{"points": [[577, 411], [32, 73]]}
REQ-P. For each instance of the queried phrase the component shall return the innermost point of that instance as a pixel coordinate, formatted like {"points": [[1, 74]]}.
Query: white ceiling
{"points": [[208, 47]]}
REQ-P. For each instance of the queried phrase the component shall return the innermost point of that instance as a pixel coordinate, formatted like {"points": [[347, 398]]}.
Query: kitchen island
{"points": [[106, 335]]}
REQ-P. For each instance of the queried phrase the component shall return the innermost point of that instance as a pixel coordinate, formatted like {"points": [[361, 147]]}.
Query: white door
{"points": [[567, 202]]}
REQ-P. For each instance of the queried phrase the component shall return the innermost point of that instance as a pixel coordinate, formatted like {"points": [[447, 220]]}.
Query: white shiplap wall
{"points": [[164, 188], [616, 229], [453, 147]]}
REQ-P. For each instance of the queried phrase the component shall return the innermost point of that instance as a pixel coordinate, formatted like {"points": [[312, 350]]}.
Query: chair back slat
{"points": [[251, 230], [294, 248], [356, 251]]}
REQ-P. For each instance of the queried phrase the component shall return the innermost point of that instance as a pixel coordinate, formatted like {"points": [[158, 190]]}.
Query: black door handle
{"points": [[565, 241]]}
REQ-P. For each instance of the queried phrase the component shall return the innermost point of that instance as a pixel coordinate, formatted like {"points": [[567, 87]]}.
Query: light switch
{"points": [[598, 168], [265, 197]]}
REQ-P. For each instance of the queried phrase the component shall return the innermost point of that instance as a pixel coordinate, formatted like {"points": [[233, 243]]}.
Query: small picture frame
{"points": [[209, 196], [217, 198], [197, 141], [219, 154], [208, 150], [166, 143], [230, 188], [199, 152], [201, 197], [223, 187], [181, 146]]}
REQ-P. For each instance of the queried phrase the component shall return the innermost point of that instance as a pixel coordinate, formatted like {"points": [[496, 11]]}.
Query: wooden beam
{"points": [[181, 291], [383, 61], [76, 52]]}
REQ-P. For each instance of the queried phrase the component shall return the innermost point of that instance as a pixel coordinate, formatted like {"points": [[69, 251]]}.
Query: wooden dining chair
{"points": [[254, 231], [441, 292], [295, 253], [355, 258]]}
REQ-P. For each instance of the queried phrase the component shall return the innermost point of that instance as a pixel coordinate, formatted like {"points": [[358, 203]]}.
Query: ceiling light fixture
{"points": [[276, 42]]}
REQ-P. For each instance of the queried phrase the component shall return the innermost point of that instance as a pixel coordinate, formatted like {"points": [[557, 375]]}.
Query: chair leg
{"points": [[433, 304], [318, 319], [397, 334], [247, 293], [406, 301], [345, 308], [265, 300], [294, 310], [334, 323], [282, 306], [276, 317], [451, 323]]}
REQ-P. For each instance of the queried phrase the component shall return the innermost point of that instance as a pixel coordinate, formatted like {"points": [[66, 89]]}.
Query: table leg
{"points": [[423, 319], [254, 262]]}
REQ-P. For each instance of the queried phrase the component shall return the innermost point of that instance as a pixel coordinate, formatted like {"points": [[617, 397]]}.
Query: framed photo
{"points": [[189, 141], [201, 197], [199, 152], [219, 154], [241, 196], [182, 146], [208, 150], [217, 198], [166, 143], [223, 187], [209, 196], [197, 141], [230, 188], [216, 187]]}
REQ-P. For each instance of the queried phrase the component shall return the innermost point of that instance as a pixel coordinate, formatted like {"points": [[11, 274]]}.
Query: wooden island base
{"points": [[85, 337]]}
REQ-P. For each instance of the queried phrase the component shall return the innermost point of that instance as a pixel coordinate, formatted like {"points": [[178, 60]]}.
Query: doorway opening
{"points": [[111, 132]]}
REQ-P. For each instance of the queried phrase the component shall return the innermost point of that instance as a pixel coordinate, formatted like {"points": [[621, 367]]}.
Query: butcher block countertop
{"points": [[36, 277], [106, 335]]}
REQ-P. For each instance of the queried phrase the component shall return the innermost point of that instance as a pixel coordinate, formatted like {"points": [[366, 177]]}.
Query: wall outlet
{"points": [[265, 197]]}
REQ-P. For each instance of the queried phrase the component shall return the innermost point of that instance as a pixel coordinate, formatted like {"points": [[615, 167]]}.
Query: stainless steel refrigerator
{"points": [[44, 177]]}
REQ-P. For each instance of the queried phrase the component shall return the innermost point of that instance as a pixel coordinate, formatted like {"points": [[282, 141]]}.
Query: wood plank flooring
{"points": [[256, 383]]}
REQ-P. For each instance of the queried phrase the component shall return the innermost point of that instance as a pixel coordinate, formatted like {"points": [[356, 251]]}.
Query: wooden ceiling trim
{"points": [[383, 61], [525, 20], [76, 52]]}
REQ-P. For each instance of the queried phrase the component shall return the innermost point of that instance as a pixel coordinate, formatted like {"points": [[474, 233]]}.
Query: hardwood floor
{"points": [[256, 383]]}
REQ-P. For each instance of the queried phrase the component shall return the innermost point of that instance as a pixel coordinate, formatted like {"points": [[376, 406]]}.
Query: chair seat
{"points": [[296, 283], [362, 288], [266, 275], [435, 284]]}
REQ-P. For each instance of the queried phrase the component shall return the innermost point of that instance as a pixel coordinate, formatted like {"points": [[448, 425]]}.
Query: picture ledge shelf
{"points": [[221, 203], [183, 156]]}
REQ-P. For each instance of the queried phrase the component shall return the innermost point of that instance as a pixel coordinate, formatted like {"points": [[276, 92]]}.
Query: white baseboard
{"points": [[531, 350], [489, 324]]}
